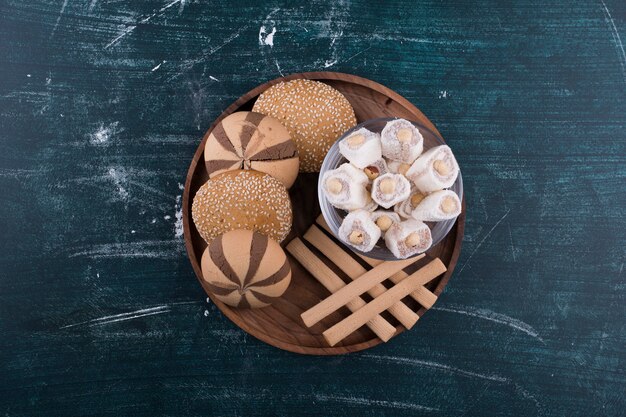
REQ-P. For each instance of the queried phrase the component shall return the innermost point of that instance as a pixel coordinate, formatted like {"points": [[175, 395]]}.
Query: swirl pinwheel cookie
{"points": [[245, 269], [247, 140]]}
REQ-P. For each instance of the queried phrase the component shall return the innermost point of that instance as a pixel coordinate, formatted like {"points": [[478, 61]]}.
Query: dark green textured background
{"points": [[102, 104]]}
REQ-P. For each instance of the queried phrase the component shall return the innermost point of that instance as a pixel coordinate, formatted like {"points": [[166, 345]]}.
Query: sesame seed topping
{"points": [[315, 113], [242, 199]]}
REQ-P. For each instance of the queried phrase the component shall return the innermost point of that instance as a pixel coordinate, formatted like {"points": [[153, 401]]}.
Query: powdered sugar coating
{"points": [[402, 189], [406, 207], [424, 174], [350, 181], [398, 167], [359, 221], [393, 217], [401, 210], [401, 150], [362, 154], [396, 238], [438, 206], [371, 206]]}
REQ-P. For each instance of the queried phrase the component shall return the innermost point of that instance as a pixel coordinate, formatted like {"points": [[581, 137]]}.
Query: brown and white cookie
{"points": [[245, 269], [248, 140]]}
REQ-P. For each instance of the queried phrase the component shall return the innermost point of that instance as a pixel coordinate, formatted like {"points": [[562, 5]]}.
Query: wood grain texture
{"points": [[95, 140], [281, 324]]}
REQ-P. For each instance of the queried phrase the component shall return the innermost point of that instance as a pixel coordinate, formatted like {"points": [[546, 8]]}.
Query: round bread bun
{"points": [[247, 140], [315, 113], [245, 269], [242, 199]]}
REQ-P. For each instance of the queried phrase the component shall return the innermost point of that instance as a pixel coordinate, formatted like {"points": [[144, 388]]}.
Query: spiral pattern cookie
{"points": [[245, 269], [248, 140]]}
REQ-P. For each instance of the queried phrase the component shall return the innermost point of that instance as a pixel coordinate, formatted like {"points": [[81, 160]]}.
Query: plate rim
{"points": [[198, 155]]}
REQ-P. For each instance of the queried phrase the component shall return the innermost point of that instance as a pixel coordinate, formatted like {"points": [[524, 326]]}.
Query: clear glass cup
{"points": [[334, 216]]}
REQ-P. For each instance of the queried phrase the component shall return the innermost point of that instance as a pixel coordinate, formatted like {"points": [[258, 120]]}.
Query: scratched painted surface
{"points": [[102, 104]]}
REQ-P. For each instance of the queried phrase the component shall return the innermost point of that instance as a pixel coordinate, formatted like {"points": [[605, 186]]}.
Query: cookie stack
{"points": [[243, 211]]}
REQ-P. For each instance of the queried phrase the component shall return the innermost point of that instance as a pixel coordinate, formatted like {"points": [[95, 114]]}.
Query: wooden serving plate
{"points": [[280, 325]]}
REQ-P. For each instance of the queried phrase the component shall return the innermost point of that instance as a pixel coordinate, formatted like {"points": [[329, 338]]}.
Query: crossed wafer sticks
{"points": [[363, 281]]}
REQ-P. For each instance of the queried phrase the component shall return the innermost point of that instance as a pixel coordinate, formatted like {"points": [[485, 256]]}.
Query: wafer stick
{"points": [[381, 327], [422, 294], [353, 269], [365, 282], [351, 323]]}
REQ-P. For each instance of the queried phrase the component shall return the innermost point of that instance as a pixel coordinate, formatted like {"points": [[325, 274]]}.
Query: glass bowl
{"points": [[334, 216]]}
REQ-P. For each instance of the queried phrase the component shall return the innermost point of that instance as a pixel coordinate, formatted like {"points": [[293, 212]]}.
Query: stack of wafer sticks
{"points": [[363, 280]]}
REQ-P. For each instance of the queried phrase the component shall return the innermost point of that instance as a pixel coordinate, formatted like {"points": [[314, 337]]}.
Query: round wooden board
{"points": [[280, 325]]}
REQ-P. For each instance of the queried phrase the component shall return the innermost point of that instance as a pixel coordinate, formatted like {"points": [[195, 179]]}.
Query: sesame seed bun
{"points": [[315, 113], [242, 199]]}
